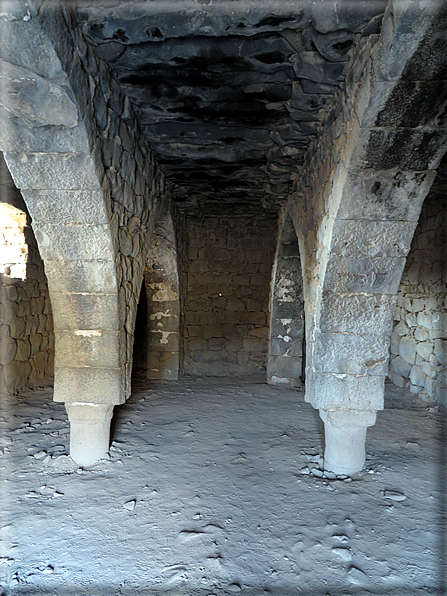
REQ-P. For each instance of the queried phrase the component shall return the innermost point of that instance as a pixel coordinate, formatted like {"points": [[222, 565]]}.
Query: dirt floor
{"points": [[209, 490]]}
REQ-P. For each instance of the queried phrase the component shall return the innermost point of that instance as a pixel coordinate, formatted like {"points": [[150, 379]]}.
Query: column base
{"points": [[89, 431], [345, 437]]}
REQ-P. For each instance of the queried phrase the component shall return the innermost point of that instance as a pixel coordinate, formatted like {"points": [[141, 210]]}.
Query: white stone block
{"points": [[415, 389], [428, 370], [420, 334], [411, 320], [401, 329], [395, 339], [418, 304], [424, 320], [439, 320], [431, 304], [417, 376], [440, 351], [407, 349], [424, 349], [397, 380]]}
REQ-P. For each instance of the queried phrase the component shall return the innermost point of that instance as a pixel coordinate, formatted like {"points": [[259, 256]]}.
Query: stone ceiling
{"points": [[229, 93]]}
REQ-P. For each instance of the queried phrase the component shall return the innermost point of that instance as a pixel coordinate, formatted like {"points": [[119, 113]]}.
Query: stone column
{"points": [[89, 431], [345, 436]]}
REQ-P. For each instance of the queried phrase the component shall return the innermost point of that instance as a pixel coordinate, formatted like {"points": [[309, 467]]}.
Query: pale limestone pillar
{"points": [[345, 436], [89, 431]]}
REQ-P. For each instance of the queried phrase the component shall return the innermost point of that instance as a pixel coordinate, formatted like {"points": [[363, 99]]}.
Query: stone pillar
{"points": [[345, 436], [89, 431]]}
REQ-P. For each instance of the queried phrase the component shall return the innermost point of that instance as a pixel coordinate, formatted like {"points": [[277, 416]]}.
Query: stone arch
{"points": [[286, 356], [161, 280], [72, 227], [93, 190], [358, 204]]}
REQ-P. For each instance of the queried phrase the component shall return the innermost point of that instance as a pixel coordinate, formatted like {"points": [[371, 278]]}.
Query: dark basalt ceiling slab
{"points": [[229, 93]]}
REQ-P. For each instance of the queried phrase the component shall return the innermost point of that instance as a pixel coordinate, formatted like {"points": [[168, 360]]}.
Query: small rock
{"points": [[343, 553], [316, 472], [393, 495], [49, 569], [341, 477], [234, 588], [40, 454], [330, 475], [129, 505], [356, 576], [305, 470]]}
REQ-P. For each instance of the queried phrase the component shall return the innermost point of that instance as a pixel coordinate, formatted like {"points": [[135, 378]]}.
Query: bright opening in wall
{"points": [[13, 246]]}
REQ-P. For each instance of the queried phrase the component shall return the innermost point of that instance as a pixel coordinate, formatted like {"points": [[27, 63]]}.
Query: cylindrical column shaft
{"points": [[89, 431], [345, 437]]}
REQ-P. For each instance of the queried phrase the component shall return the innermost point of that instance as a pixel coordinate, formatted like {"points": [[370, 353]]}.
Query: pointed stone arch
{"points": [[286, 356], [92, 197], [357, 202]]}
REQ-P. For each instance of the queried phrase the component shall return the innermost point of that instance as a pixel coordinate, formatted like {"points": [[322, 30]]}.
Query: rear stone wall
{"points": [[419, 339], [26, 322], [227, 319]]}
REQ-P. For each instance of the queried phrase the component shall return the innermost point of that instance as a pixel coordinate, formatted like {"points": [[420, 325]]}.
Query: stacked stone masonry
{"points": [[419, 338], [99, 181], [286, 347], [26, 322], [227, 320]]}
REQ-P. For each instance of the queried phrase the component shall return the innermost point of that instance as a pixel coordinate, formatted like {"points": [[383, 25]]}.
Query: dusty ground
{"points": [[203, 495]]}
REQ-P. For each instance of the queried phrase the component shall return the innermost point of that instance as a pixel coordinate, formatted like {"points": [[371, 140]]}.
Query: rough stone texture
{"points": [[104, 193], [161, 297], [286, 344], [356, 202], [420, 318], [227, 321], [229, 96], [26, 322]]}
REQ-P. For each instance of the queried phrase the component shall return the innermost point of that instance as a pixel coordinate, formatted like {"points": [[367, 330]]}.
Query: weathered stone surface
{"points": [[401, 367], [386, 195], [90, 385], [35, 51], [66, 207], [346, 392], [34, 99], [417, 376], [85, 311], [440, 351], [92, 348], [163, 365], [71, 242], [77, 276], [46, 171], [424, 349], [8, 350], [407, 349], [352, 354], [363, 275], [372, 238], [345, 313]]}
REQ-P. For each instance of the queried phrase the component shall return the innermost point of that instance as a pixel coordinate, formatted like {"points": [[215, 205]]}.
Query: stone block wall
{"points": [[227, 302], [26, 322], [419, 338]]}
